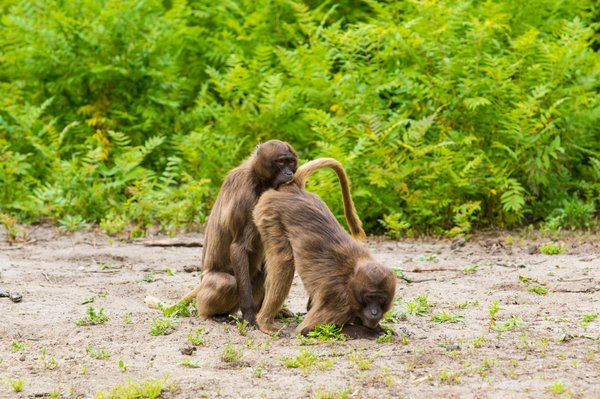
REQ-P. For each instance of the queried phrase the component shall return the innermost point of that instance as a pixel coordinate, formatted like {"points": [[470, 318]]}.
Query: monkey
{"points": [[299, 232], [231, 277]]}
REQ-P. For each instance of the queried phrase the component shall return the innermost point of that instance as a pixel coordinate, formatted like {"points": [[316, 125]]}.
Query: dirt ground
{"points": [[528, 345]]}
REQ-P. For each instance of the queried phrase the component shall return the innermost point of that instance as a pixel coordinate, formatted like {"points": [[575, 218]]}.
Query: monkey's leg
{"points": [[241, 268], [258, 292], [217, 295], [279, 268], [258, 289]]}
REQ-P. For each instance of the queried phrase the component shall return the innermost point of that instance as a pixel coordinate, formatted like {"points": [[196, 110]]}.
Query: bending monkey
{"points": [[344, 283], [232, 253]]}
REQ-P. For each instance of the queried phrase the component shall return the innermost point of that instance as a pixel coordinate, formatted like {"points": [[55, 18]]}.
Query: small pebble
{"points": [[4, 294], [15, 297], [532, 249], [191, 268], [187, 350]]}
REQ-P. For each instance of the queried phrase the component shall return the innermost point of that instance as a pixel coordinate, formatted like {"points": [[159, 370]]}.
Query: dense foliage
{"points": [[447, 114]]}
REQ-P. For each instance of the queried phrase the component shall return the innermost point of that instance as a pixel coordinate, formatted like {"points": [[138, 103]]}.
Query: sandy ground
{"points": [[541, 345]]}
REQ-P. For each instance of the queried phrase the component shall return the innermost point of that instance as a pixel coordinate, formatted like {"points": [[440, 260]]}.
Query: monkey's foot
{"points": [[268, 327], [225, 318], [285, 313]]}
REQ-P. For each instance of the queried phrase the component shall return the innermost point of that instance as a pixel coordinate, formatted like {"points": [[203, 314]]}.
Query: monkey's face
{"points": [[374, 287], [276, 163], [372, 308]]}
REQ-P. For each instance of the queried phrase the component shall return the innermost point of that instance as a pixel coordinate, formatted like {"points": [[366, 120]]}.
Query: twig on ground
{"points": [[19, 246], [434, 269], [171, 243]]}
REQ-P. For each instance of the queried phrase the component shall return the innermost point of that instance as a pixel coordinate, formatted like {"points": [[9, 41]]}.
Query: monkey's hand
{"points": [[250, 317], [357, 331]]}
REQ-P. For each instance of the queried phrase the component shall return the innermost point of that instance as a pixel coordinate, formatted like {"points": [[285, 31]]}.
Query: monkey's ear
{"points": [[257, 147]]}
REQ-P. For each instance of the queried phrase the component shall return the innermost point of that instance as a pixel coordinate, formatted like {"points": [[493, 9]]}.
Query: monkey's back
{"points": [[317, 239], [233, 206]]}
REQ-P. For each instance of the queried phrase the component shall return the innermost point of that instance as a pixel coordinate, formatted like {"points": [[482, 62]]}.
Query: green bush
{"points": [[448, 115]]}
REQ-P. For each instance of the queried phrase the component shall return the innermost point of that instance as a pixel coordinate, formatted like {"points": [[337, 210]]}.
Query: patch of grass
{"points": [[105, 265], [323, 333], [197, 338], [17, 346], [150, 277], [466, 304], [419, 306], [362, 363], [448, 377], [150, 389], [97, 353], [180, 309], [538, 290], [558, 388], [258, 372], [552, 248], [93, 317], [428, 258], [16, 384], [192, 363], [588, 318], [242, 326], [51, 363], [394, 316], [445, 317], [9, 224], [510, 324], [470, 269], [127, 318], [71, 224], [338, 393], [306, 360], [478, 342], [170, 272], [399, 273], [494, 309], [163, 326], [231, 354], [388, 337], [113, 224], [122, 366]]}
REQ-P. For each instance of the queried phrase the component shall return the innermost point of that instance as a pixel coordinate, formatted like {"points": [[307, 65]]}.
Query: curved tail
{"points": [[155, 303], [352, 218]]}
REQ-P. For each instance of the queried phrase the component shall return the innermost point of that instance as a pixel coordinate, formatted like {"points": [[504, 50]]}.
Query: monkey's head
{"points": [[275, 163], [373, 288]]}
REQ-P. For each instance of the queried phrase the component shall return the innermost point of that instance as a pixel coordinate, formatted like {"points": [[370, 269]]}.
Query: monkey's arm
{"points": [[238, 251], [357, 331]]}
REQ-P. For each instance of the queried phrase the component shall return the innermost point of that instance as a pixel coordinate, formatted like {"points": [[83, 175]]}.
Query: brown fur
{"points": [[232, 278], [344, 283]]}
